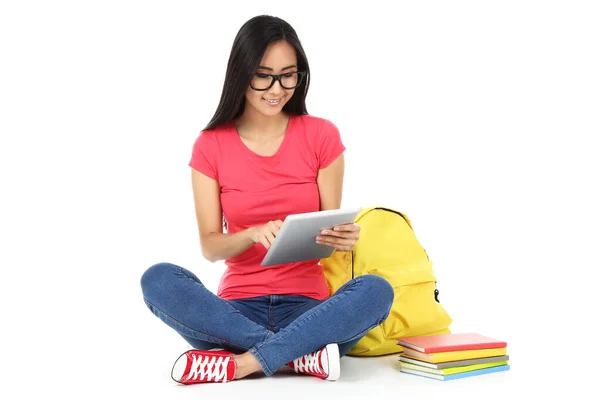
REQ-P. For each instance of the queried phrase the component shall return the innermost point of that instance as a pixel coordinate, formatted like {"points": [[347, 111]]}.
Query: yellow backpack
{"points": [[388, 247]]}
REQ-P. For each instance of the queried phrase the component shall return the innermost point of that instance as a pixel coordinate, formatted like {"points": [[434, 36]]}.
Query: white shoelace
{"points": [[309, 363], [210, 368]]}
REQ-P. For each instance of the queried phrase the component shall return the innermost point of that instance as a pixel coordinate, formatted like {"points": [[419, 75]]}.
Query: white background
{"points": [[478, 119]]}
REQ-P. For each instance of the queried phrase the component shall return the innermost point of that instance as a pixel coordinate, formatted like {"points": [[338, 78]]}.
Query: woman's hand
{"points": [[266, 233], [342, 237]]}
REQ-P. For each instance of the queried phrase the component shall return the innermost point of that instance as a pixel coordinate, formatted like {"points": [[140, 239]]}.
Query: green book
{"points": [[450, 364]]}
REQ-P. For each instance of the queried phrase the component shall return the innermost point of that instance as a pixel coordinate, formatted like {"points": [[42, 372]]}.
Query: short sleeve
{"points": [[204, 154], [329, 144]]}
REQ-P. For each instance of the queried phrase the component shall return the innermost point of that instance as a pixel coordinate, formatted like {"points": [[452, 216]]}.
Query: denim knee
{"points": [[381, 293], [153, 278]]}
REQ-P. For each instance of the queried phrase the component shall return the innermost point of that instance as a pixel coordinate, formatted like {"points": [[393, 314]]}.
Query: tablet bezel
{"points": [[296, 240]]}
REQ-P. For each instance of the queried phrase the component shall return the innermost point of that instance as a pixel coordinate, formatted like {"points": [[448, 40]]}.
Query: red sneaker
{"points": [[324, 363], [197, 366]]}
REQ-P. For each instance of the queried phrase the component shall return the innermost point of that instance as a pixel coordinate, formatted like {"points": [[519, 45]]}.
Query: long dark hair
{"points": [[247, 51]]}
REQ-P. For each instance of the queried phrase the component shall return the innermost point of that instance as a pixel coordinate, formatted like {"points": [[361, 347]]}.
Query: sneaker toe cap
{"points": [[179, 367]]}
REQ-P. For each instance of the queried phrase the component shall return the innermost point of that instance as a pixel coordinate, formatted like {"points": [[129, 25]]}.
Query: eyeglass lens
{"points": [[288, 81]]}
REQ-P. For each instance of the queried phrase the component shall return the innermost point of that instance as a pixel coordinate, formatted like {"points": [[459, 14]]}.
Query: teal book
{"points": [[459, 375]]}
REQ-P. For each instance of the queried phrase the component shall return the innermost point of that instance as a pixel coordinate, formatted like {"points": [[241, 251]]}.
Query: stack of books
{"points": [[452, 356]]}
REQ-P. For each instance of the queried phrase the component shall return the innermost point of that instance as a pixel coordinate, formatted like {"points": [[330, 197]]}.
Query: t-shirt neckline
{"points": [[282, 146]]}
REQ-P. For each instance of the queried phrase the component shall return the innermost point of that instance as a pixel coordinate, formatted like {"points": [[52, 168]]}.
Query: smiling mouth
{"points": [[272, 102]]}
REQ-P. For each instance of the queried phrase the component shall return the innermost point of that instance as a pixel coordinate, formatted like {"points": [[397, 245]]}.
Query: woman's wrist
{"points": [[248, 234]]}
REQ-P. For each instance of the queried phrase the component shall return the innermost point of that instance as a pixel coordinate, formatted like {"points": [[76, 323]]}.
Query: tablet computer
{"points": [[296, 240]]}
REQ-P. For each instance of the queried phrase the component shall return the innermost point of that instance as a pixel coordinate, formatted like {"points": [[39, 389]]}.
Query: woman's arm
{"points": [[214, 243], [330, 181]]}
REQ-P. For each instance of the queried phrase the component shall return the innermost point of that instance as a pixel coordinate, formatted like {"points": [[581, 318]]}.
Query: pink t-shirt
{"points": [[257, 189]]}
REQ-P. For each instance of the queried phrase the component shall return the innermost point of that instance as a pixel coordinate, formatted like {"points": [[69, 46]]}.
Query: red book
{"points": [[450, 342]]}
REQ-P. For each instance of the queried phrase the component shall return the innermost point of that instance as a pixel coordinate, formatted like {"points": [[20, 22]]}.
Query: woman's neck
{"points": [[257, 124]]}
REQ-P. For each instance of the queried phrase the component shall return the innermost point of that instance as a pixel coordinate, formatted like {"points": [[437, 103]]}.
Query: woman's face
{"points": [[279, 58]]}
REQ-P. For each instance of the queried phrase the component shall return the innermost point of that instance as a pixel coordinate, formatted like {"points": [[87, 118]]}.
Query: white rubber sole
{"points": [[331, 361]]}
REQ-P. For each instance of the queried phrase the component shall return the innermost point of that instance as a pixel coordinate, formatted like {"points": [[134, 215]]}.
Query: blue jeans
{"points": [[276, 329]]}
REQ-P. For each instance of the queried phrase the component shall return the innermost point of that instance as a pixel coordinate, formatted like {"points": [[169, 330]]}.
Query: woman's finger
{"points": [[334, 241], [265, 242], [342, 247], [270, 236], [274, 225], [340, 234], [346, 227]]}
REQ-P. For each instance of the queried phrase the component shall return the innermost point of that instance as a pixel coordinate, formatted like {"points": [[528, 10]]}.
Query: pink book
{"points": [[450, 342]]}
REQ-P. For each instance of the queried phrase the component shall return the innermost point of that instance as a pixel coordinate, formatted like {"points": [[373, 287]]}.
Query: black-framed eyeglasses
{"points": [[287, 80]]}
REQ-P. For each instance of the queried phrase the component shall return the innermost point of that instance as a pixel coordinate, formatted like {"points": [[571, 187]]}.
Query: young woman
{"points": [[261, 158]]}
